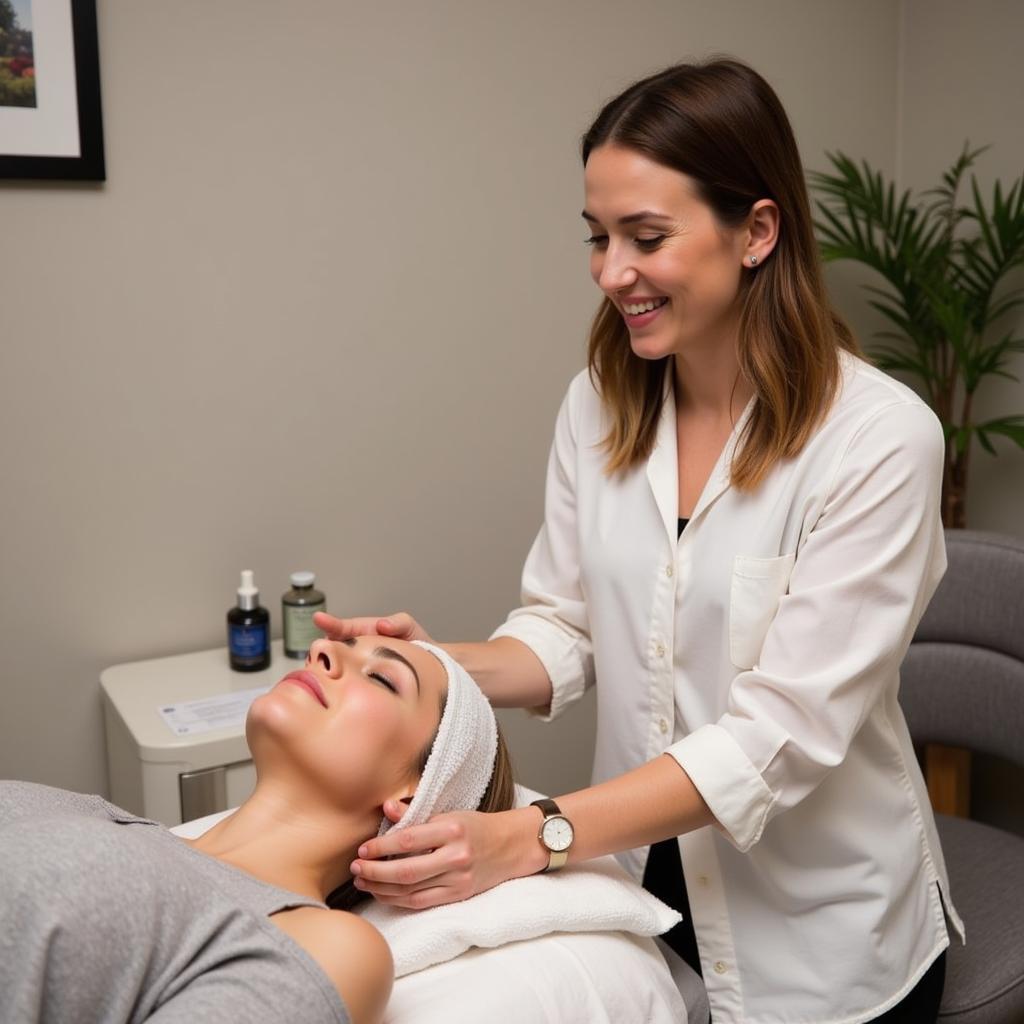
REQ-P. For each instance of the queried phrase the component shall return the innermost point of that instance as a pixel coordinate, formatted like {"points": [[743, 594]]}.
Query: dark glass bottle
{"points": [[248, 629]]}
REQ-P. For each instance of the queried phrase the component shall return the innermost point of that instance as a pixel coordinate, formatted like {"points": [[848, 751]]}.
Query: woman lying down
{"points": [[108, 917]]}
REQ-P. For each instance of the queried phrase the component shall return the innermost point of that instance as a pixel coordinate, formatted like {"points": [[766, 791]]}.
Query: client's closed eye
{"points": [[384, 679]]}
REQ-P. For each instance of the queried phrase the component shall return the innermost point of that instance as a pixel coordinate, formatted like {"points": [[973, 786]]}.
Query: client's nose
{"points": [[324, 652]]}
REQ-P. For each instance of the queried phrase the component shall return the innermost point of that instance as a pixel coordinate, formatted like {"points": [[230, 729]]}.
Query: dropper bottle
{"points": [[248, 629]]}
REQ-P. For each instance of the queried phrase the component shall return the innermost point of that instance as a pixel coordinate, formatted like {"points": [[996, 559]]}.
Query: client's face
{"points": [[353, 721]]}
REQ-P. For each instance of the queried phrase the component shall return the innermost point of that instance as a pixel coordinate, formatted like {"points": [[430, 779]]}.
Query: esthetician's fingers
{"points": [[408, 842], [344, 629], [401, 877], [401, 625], [451, 857]]}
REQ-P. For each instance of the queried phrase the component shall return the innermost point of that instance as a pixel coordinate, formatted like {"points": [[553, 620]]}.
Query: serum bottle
{"points": [[297, 607], [248, 629]]}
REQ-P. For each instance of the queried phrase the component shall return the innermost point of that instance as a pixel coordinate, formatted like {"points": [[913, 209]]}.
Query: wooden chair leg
{"points": [[948, 772]]}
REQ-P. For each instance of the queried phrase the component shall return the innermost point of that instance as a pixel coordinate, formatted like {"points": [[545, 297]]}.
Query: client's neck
{"points": [[290, 840]]}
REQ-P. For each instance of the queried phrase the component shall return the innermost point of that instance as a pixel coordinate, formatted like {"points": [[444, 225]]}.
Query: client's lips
{"points": [[309, 681]]}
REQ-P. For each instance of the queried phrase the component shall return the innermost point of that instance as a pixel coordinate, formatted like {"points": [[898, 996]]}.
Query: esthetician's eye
{"points": [[384, 679]]}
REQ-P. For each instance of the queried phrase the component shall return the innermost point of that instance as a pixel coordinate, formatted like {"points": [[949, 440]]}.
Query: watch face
{"points": [[557, 834]]}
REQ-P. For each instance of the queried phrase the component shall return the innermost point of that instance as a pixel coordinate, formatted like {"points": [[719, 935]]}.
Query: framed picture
{"points": [[50, 120]]}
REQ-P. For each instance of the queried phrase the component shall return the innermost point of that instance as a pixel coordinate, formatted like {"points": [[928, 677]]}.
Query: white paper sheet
{"points": [[225, 711]]}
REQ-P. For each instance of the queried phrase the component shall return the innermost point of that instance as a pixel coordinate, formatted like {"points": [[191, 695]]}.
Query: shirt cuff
{"points": [[725, 777], [561, 655]]}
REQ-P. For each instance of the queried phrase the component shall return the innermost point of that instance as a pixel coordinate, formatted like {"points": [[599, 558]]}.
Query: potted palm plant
{"points": [[942, 264]]}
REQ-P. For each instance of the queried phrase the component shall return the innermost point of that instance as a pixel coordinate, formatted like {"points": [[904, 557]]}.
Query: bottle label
{"points": [[299, 631], [248, 641]]}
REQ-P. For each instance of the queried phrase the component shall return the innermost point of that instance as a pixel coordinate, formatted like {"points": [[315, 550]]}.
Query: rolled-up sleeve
{"points": [[552, 620], [860, 583]]}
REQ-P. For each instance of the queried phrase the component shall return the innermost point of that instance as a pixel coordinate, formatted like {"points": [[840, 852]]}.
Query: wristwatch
{"points": [[556, 833]]}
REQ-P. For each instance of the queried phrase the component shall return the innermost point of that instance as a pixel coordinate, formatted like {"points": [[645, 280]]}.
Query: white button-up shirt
{"points": [[761, 650]]}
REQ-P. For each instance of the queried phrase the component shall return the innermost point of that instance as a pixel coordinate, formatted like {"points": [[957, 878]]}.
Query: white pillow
{"points": [[593, 896], [597, 896]]}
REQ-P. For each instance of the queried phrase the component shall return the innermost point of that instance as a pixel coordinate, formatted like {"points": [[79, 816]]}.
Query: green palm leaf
{"points": [[943, 265]]}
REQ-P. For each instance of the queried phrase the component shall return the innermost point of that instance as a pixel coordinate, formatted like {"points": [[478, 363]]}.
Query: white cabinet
{"points": [[172, 778]]}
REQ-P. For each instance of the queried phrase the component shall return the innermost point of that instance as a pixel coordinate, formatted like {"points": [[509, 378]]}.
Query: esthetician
{"points": [[741, 532]]}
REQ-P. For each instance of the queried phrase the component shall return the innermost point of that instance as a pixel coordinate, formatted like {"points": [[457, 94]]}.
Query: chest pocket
{"points": [[757, 587]]}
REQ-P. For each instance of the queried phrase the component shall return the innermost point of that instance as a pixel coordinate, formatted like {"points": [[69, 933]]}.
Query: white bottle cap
{"points": [[303, 579], [248, 595]]}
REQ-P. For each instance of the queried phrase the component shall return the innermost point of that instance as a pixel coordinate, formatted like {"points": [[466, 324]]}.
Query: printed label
{"points": [[248, 641], [228, 710], [299, 631]]}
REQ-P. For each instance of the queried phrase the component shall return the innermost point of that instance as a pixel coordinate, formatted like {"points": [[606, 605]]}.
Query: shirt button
{"points": [[720, 967], [669, 571], [663, 725], [660, 650]]}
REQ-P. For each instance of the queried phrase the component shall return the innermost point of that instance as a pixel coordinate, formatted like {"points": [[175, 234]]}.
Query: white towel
{"points": [[593, 896], [461, 760]]}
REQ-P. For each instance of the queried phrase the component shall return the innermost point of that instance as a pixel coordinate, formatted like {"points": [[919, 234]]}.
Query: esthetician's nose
{"points": [[616, 272], [328, 655]]}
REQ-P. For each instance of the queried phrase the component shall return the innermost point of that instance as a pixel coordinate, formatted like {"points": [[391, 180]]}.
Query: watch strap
{"points": [[556, 858], [548, 807]]}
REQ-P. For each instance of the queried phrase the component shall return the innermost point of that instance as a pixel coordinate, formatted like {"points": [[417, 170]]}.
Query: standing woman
{"points": [[741, 534]]}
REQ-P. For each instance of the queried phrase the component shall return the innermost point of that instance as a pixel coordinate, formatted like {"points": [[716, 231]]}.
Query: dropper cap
{"points": [[248, 595]]}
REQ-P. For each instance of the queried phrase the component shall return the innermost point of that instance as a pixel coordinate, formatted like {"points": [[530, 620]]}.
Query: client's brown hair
{"points": [[500, 795]]}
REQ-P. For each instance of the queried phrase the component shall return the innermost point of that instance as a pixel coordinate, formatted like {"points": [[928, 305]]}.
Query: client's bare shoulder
{"points": [[352, 953]]}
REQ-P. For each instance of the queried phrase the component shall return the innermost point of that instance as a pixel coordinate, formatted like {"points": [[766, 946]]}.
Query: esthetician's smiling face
{"points": [[683, 255], [353, 721]]}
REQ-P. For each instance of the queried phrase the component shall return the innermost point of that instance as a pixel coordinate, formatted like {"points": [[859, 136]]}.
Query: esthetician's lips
{"points": [[309, 682], [641, 319]]}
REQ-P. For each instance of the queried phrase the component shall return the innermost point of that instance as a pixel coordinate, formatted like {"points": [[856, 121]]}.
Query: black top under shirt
{"points": [[663, 877]]}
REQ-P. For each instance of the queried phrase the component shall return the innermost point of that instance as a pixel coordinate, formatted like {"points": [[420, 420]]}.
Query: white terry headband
{"points": [[461, 761]]}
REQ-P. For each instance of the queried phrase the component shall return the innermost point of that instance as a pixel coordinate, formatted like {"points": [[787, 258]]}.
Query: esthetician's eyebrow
{"points": [[631, 218], [387, 652]]}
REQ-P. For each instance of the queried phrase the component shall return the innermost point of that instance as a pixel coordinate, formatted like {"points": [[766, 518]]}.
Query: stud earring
{"points": [[753, 260]]}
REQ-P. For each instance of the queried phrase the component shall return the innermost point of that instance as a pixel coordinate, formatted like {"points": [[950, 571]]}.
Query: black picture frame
{"points": [[90, 165]]}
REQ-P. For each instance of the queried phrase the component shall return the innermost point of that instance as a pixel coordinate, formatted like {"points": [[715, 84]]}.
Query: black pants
{"points": [[663, 878]]}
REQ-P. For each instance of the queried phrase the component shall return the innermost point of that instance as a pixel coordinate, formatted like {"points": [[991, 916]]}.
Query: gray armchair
{"points": [[962, 685]]}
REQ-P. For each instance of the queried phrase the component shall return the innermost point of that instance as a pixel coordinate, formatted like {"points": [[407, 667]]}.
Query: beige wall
{"points": [[323, 311]]}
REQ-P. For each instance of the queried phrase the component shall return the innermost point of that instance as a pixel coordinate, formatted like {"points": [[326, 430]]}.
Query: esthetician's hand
{"points": [[401, 626], [449, 858]]}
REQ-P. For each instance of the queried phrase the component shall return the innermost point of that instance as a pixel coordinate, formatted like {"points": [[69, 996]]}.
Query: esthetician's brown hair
{"points": [[500, 795], [721, 124]]}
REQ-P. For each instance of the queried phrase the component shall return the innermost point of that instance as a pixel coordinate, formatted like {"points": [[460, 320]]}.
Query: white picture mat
{"points": [[51, 127]]}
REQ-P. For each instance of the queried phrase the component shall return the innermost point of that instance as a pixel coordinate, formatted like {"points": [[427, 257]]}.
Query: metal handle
{"points": [[203, 792]]}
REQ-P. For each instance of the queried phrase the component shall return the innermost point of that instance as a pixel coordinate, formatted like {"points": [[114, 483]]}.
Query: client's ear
{"points": [[394, 810], [404, 792], [396, 806]]}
